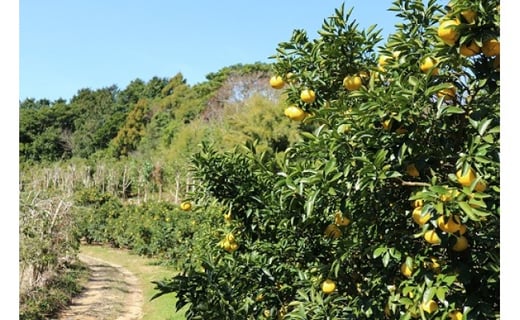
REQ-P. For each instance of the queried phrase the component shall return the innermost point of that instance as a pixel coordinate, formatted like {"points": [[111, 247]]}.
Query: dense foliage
{"points": [[389, 207]]}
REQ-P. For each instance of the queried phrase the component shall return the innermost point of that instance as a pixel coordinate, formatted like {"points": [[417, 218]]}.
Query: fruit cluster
{"points": [[451, 224], [463, 24], [229, 243]]}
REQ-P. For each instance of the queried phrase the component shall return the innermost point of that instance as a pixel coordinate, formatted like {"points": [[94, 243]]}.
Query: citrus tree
{"points": [[388, 207]]}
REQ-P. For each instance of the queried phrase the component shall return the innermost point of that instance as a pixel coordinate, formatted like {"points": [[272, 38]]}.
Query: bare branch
{"points": [[414, 183]]}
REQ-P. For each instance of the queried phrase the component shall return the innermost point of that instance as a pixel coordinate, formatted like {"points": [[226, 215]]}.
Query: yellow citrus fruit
{"points": [[455, 315], [450, 226], [411, 170], [432, 237], [332, 231], [480, 187], [469, 16], [233, 247], [429, 306], [343, 128], [448, 93], [224, 243], [276, 82], [491, 48], [381, 62], [328, 286], [230, 237], [308, 96], [447, 31], [418, 203], [186, 206], [445, 197], [461, 244], [428, 64], [496, 63], [387, 124], [227, 216], [364, 75], [433, 265], [469, 49], [340, 220], [290, 77], [462, 229], [405, 270], [467, 179], [229, 246], [419, 218], [352, 82], [295, 113]]}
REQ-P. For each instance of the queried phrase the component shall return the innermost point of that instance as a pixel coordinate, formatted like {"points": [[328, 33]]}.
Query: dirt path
{"points": [[111, 292]]}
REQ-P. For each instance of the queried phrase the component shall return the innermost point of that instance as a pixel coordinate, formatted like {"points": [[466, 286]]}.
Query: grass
{"points": [[162, 308]]}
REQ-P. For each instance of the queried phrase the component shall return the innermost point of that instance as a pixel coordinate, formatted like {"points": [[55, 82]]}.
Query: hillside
{"points": [[145, 118], [147, 131]]}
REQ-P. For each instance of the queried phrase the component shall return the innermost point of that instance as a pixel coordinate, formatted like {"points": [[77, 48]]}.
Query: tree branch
{"points": [[413, 183]]}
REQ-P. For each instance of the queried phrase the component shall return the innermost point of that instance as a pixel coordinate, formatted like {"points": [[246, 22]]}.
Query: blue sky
{"points": [[69, 45]]}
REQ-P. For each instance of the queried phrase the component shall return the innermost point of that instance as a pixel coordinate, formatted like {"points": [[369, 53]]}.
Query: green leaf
{"points": [[439, 207], [405, 301], [332, 191], [413, 81], [268, 274], [468, 210], [429, 293], [308, 135], [379, 251], [453, 110], [483, 160], [386, 259], [380, 157], [439, 189], [449, 280], [336, 177], [407, 290], [396, 254], [309, 204], [330, 166], [489, 138], [483, 125], [434, 89], [402, 151], [441, 293]]}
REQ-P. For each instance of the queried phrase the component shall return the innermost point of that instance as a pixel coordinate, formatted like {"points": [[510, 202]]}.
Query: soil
{"points": [[112, 292]]}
